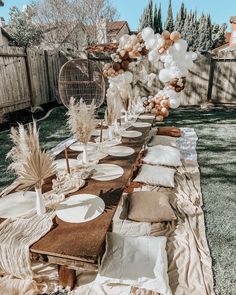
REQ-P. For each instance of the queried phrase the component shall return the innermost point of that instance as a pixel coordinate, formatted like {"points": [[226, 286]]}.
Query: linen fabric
{"points": [[150, 207], [163, 155], [156, 175], [135, 261], [162, 140]]}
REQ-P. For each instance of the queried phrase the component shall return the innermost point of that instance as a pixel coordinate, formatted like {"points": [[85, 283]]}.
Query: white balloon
{"points": [[147, 33], [153, 56], [160, 43], [128, 77], [181, 45], [164, 75], [152, 43], [123, 40], [174, 102]]}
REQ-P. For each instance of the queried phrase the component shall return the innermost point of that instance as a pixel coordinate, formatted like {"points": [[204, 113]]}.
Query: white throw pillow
{"points": [[162, 140], [156, 175], [163, 155], [137, 261]]}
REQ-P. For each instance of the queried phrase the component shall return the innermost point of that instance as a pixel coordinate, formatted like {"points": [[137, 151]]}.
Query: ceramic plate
{"points": [[97, 132], [146, 117], [107, 143], [141, 124], [105, 172], [120, 151], [131, 134], [17, 204], [77, 146], [61, 164], [80, 208], [93, 156]]}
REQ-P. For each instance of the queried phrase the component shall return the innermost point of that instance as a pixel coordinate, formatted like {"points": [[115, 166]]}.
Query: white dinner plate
{"points": [[131, 133], [107, 143], [61, 164], [78, 146], [120, 151], [146, 117], [93, 156], [80, 208], [17, 204], [105, 172], [141, 124], [97, 132]]}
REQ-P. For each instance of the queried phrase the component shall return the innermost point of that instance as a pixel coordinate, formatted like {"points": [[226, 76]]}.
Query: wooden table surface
{"points": [[79, 245]]}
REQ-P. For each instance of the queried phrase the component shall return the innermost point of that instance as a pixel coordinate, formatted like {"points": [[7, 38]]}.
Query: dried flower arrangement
{"points": [[81, 120], [29, 162]]}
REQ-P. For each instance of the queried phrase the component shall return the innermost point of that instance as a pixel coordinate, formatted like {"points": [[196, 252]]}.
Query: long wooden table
{"points": [[72, 246]]}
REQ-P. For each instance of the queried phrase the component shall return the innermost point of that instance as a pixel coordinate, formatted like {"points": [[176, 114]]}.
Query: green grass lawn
{"points": [[216, 148]]}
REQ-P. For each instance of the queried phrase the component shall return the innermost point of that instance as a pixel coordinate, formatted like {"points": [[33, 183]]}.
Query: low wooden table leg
{"points": [[67, 277]]}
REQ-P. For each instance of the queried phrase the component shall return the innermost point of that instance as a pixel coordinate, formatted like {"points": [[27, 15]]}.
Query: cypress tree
{"points": [[157, 21], [143, 22], [180, 18], [208, 33], [194, 25], [218, 35], [150, 14], [146, 19], [169, 25], [204, 33]]}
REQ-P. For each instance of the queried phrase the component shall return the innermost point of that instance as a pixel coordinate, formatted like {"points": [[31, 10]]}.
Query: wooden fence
{"points": [[28, 77]]}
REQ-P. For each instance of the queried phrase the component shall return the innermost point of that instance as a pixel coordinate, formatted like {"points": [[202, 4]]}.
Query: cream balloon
{"points": [[181, 45], [147, 34], [174, 103], [164, 75]]}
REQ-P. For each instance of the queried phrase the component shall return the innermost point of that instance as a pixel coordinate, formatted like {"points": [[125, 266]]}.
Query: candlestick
{"points": [[101, 131], [67, 160]]}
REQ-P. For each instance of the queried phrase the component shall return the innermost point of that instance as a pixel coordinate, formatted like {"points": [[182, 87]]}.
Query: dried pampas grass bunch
{"points": [[81, 120], [29, 162]]}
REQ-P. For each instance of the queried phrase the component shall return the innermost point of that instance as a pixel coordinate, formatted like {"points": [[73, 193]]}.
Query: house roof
{"points": [[233, 20], [113, 28], [116, 26], [106, 47]]}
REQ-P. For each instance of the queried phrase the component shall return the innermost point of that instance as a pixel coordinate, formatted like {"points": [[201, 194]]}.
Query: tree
{"points": [[169, 25], [59, 18], [218, 35], [22, 29], [146, 19], [204, 33], [180, 18], [150, 14], [157, 20]]}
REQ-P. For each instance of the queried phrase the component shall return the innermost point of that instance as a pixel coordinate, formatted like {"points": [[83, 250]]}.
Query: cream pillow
{"points": [[162, 140], [163, 155], [156, 175], [136, 261]]}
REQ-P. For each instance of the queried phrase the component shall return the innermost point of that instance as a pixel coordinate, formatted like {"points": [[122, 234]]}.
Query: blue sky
{"points": [[131, 10]]}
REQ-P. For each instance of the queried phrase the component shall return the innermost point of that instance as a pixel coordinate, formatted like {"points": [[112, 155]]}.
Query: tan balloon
{"points": [[165, 35], [159, 118], [175, 36]]}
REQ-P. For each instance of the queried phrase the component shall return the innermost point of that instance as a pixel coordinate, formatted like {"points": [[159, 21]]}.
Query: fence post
{"points": [[48, 75], [211, 78], [28, 74]]}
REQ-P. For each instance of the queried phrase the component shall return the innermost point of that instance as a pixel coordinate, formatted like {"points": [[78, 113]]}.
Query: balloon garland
{"points": [[168, 48]]}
